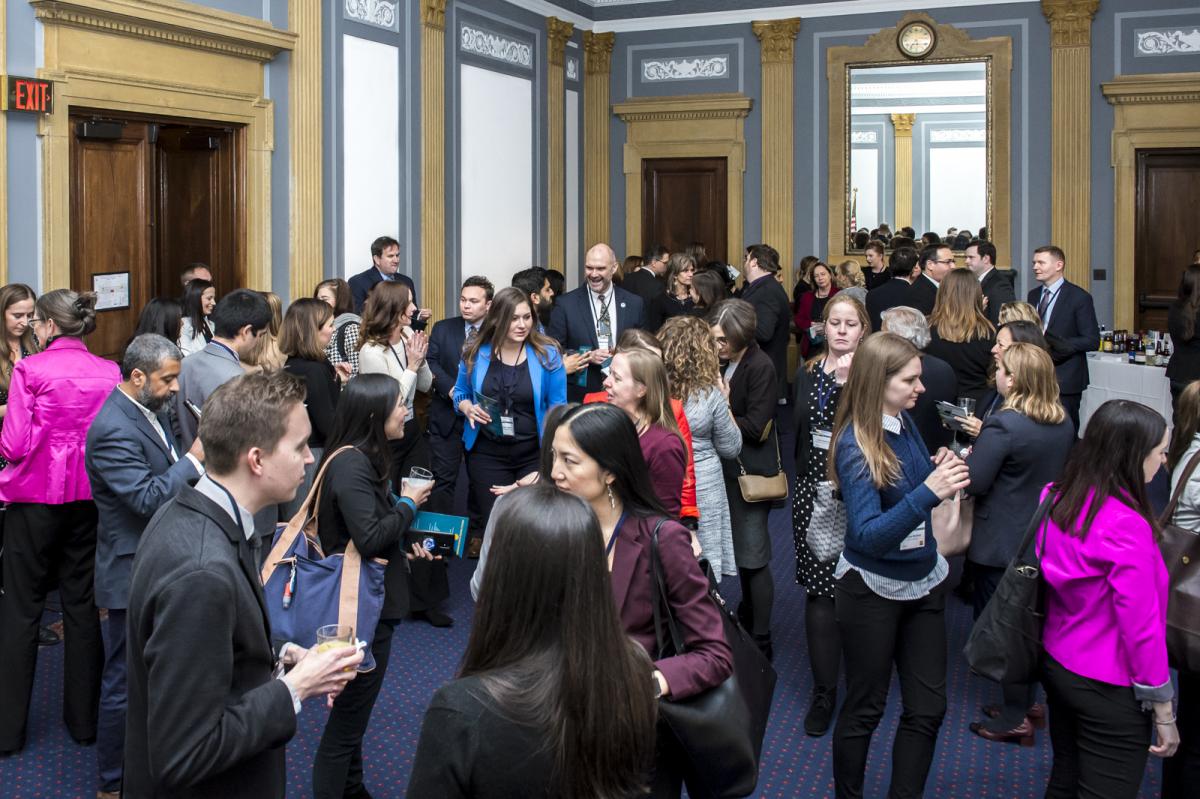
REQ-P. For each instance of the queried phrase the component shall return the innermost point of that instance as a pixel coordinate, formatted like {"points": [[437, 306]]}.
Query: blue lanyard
{"points": [[824, 396], [612, 542]]}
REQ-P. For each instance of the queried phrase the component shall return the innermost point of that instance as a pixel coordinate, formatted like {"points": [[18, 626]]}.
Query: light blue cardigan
{"points": [[549, 385]]}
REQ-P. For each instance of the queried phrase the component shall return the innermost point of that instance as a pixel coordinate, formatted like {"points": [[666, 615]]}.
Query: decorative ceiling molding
{"points": [[1178, 87], [170, 21], [493, 45], [1167, 42], [700, 68]]}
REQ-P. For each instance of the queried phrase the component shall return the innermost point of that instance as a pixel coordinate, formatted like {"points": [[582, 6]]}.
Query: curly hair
{"points": [[690, 354]]}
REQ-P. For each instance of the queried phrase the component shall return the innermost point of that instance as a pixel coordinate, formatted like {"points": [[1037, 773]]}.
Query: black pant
{"points": [[45, 544], [1071, 403], [114, 698], [1018, 697], [1181, 773], [876, 633], [338, 765], [1100, 734], [491, 463], [672, 769], [446, 458], [429, 583]]}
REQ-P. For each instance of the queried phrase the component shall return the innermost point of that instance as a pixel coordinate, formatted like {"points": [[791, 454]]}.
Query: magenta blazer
{"points": [[708, 661], [1106, 599], [52, 399]]}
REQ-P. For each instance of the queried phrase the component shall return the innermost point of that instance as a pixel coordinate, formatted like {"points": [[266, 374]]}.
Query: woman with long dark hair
{"points": [[356, 505], [1106, 668], [199, 299], [598, 459], [162, 316], [1018, 331], [347, 325], [1183, 323], [710, 289], [537, 715], [50, 524]]}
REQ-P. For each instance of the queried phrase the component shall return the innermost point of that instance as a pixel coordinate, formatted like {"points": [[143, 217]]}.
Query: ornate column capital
{"points": [[778, 38], [557, 33], [597, 52], [903, 124], [433, 14], [1070, 21]]}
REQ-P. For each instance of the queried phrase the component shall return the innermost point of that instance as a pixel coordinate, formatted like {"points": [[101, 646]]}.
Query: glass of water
{"points": [[418, 478]]}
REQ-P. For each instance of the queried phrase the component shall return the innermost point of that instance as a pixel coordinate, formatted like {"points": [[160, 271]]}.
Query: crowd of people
{"points": [[610, 436]]}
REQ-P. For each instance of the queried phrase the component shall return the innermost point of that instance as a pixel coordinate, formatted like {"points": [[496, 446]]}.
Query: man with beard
{"points": [[135, 464]]}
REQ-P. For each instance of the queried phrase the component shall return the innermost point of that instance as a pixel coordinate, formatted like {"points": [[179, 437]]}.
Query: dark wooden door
{"points": [[112, 206], [1168, 194], [684, 200], [197, 218]]}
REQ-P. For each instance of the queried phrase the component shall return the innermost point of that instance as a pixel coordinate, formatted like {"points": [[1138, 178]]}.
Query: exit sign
{"points": [[29, 94]]}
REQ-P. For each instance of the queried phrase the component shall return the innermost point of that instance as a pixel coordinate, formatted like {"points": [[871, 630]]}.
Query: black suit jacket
{"points": [[922, 295], [941, 385], [1074, 327], [1012, 460], [774, 312], [753, 396], [132, 475], [573, 326], [205, 717], [644, 284], [998, 288], [1184, 366], [891, 294], [446, 342], [362, 283]]}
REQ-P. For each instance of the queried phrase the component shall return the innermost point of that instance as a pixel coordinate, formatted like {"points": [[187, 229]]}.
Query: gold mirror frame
{"points": [[951, 45]]}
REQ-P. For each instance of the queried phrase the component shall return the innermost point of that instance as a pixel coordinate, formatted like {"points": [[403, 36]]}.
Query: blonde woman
{"points": [[637, 384], [679, 298], [890, 594], [1020, 448], [266, 356], [960, 333], [1019, 311], [850, 280], [689, 353]]}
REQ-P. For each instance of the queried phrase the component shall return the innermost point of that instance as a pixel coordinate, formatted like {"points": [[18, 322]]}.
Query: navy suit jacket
{"points": [[774, 317], [573, 327], [362, 283], [998, 288], [1074, 327], [132, 476], [892, 294], [446, 341], [922, 295]]}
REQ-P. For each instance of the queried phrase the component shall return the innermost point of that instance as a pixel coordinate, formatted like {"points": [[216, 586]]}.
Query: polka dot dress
{"points": [[817, 577]]}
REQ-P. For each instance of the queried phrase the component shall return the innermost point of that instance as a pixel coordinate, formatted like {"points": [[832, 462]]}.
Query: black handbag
{"points": [[1180, 549], [721, 729], [1005, 644]]}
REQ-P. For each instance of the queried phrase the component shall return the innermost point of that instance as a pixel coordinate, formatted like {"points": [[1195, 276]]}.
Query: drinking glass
{"points": [[967, 404], [418, 478], [333, 636]]}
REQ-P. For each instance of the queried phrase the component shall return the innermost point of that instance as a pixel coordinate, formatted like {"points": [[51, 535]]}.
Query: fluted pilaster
{"points": [[778, 40], [597, 68], [1070, 132], [557, 33], [304, 125], [902, 125], [433, 155]]}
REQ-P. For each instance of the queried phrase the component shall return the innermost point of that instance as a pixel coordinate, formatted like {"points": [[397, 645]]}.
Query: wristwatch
{"points": [[657, 686]]}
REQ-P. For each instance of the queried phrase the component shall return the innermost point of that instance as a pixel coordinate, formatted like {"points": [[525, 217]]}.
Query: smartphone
{"points": [[191, 406], [952, 416]]}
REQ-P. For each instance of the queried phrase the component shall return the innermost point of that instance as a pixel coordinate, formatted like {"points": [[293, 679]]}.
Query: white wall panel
{"points": [[371, 149], [496, 177], [957, 177], [574, 261], [864, 166]]}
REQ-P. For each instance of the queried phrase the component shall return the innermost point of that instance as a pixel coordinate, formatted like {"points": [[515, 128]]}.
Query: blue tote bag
{"points": [[306, 589]]}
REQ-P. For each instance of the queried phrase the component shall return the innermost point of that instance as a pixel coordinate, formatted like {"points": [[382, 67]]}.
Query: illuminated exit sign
{"points": [[29, 94]]}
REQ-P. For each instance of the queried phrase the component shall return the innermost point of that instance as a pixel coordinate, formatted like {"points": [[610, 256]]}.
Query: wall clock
{"points": [[916, 40]]}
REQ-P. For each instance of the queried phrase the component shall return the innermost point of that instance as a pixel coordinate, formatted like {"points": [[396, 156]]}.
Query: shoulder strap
{"points": [[1035, 524], [341, 341], [304, 521], [661, 604], [1177, 494]]}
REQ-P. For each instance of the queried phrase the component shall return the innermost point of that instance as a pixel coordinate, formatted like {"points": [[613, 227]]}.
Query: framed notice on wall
{"points": [[112, 290]]}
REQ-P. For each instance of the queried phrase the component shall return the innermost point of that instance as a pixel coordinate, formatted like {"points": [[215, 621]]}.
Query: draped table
{"points": [[1111, 376]]}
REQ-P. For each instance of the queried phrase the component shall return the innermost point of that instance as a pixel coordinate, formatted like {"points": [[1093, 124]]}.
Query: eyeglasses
{"points": [[947, 261], [33, 320]]}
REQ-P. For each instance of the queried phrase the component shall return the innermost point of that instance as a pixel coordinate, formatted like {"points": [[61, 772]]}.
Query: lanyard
{"points": [[237, 511], [603, 310], [509, 376], [823, 395], [612, 541]]}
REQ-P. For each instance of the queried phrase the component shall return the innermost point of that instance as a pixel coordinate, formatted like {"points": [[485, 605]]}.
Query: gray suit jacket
{"points": [[202, 372], [132, 475]]}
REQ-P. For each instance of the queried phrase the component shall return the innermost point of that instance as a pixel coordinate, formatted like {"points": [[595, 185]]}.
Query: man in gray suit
{"points": [[134, 464], [238, 320]]}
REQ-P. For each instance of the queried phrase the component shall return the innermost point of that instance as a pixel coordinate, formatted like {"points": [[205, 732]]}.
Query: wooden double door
{"points": [[149, 197], [685, 200], [1168, 194]]}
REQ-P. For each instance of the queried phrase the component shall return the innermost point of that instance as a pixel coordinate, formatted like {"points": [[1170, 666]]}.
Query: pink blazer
{"points": [[52, 399], [1106, 603]]}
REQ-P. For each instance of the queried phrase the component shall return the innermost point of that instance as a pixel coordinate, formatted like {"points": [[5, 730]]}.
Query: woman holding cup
{"points": [[355, 505]]}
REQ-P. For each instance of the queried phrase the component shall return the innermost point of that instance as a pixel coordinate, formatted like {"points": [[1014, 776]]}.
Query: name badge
{"points": [[821, 437], [914, 540], [602, 342], [508, 426]]}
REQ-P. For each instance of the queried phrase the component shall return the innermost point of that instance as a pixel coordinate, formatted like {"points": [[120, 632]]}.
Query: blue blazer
{"points": [[1073, 324], [572, 327], [132, 476], [445, 351], [549, 385]]}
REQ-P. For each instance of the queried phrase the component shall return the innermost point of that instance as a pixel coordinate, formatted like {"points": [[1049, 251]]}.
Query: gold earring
{"points": [[612, 501]]}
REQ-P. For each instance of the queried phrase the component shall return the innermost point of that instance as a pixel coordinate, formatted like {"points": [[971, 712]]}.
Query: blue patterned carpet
{"points": [[795, 766]]}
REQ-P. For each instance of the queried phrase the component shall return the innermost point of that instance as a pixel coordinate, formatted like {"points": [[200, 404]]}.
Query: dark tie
{"points": [[603, 320], [1044, 304], [472, 334]]}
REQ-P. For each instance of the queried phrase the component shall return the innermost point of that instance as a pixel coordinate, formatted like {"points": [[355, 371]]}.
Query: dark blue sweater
{"points": [[877, 520]]}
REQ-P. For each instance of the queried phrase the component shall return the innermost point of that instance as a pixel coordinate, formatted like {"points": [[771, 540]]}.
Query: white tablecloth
{"points": [[1113, 377]]}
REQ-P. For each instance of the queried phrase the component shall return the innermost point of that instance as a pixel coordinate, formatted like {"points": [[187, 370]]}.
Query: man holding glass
{"points": [[210, 708]]}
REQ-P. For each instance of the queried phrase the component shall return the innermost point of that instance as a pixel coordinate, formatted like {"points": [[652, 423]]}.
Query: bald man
{"points": [[591, 318]]}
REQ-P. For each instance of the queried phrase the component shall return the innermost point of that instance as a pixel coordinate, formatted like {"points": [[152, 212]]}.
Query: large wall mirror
{"points": [[919, 131]]}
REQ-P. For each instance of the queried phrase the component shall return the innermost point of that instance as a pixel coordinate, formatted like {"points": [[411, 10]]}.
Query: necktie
{"points": [[1044, 304], [472, 334], [603, 319]]}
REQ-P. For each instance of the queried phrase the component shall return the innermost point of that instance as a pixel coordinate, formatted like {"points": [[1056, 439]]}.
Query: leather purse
{"points": [[1180, 549], [762, 487], [721, 730], [952, 521]]}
